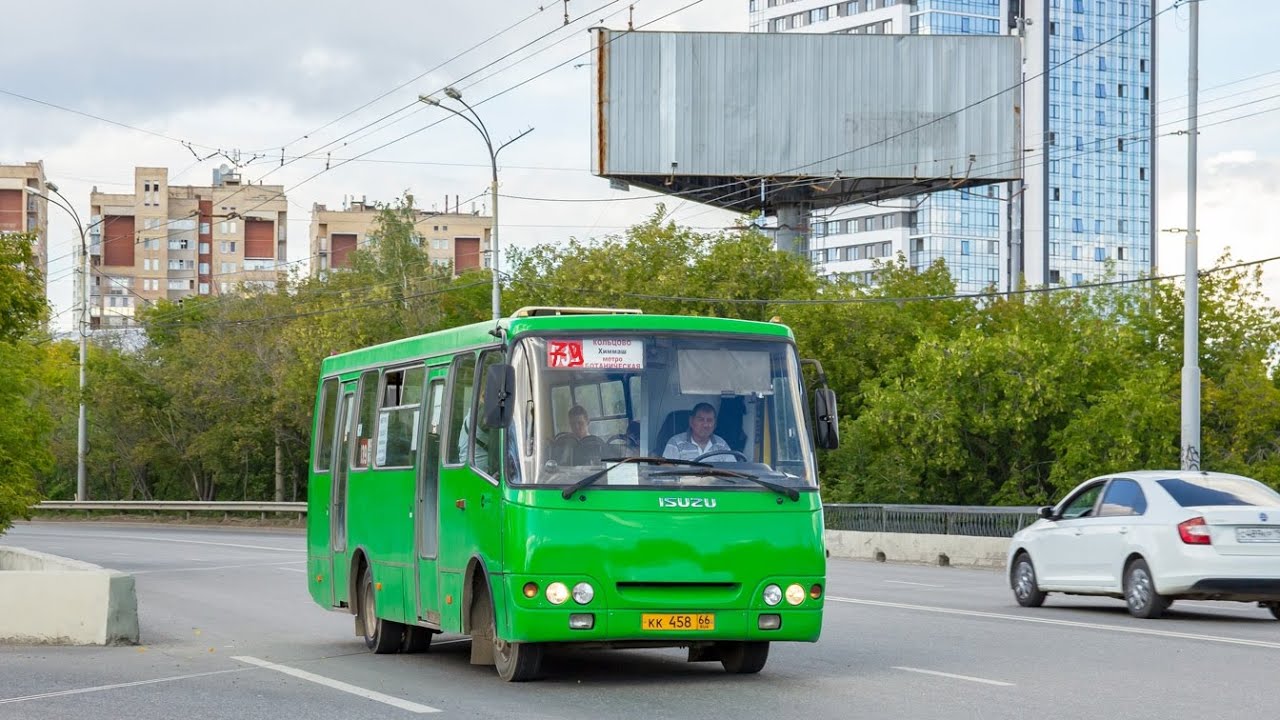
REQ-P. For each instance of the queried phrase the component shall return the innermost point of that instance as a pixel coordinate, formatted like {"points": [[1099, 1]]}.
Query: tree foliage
{"points": [[944, 399]]}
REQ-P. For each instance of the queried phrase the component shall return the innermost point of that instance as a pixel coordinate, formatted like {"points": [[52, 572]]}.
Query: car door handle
{"points": [[1124, 530], [1079, 531]]}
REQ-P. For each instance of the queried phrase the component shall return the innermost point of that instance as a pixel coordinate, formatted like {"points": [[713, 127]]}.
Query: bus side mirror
{"points": [[499, 385], [827, 426]]}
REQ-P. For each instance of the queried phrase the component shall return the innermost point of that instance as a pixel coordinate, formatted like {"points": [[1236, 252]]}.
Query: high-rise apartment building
{"points": [[21, 211], [1088, 100], [453, 238], [174, 241]]}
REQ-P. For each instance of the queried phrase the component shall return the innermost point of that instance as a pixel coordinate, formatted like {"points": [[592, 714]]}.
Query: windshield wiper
{"points": [[569, 491], [790, 492]]}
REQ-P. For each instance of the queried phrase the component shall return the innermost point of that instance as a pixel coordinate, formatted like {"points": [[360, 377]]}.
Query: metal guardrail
{"points": [[974, 520], [176, 506], [930, 519]]}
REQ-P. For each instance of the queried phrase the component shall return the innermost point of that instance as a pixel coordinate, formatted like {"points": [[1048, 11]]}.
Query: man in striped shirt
{"points": [[700, 439]]}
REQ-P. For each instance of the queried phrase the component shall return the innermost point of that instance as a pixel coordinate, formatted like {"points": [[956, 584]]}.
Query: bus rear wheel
{"points": [[380, 636], [744, 657]]}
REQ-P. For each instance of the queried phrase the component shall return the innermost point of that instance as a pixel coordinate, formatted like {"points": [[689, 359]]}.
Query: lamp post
{"points": [[82, 426], [473, 119]]}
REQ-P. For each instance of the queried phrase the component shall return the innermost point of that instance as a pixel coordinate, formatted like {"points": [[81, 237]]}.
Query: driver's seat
{"points": [[677, 421]]}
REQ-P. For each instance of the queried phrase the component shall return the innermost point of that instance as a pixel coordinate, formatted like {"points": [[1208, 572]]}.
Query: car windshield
{"points": [[1210, 490], [699, 403]]}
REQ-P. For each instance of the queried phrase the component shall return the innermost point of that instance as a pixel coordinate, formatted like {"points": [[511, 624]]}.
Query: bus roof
{"points": [[448, 341]]}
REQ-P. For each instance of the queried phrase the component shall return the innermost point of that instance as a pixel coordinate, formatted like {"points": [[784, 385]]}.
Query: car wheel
{"points": [[1025, 588], [380, 636], [1140, 591], [1275, 610]]}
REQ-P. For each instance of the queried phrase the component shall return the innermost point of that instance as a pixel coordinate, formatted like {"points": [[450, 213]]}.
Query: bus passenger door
{"points": [[426, 510], [339, 570]]}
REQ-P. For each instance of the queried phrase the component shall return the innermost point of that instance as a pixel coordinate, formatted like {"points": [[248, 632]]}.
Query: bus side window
{"points": [[398, 418], [488, 451], [322, 441], [461, 387], [364, 422]]}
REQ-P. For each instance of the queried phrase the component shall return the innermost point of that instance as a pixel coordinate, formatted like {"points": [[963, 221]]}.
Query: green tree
{"points": [[22, 303]]}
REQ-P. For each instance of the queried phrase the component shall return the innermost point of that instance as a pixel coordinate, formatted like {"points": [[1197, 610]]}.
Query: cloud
{"points": [[1236, 192]]}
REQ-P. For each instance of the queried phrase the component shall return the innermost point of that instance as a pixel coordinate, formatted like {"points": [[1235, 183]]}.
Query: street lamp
{"points": [[474, 121], [82, 435]]}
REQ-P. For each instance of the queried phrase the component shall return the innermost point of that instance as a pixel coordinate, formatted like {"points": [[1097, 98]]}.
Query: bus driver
{"points": [[700, 438]]}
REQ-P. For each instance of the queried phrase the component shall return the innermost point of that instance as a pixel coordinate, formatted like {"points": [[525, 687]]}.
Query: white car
{"points": [[1152, 537]]}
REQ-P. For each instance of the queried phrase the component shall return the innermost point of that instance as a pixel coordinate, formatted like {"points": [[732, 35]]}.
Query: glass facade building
{"points": [[1088, 201]]}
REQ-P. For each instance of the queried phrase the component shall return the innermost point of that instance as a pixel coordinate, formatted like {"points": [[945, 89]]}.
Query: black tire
{"points": [[1140, 592], [417, 639], [1026, 589], [514, 661], [744, 658], [1275, 610], [380, 636]]}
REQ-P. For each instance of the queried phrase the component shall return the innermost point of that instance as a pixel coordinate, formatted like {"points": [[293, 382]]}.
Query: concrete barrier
{"points": [[50, 600], [957, 550]]}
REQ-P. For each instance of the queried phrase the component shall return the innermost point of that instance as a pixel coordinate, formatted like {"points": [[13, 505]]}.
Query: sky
{"points": [[295, 78]]}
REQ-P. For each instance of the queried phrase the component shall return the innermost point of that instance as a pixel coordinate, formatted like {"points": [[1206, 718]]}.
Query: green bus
{"points": [[573, 477]]}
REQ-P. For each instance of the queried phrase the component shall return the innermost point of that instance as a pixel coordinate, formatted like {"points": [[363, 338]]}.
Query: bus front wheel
{"points": [[744, 657], [514, 661], [380, 636]]}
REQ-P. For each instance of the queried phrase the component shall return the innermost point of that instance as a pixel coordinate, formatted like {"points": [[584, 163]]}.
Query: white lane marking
{"points": [[953, 676], [100, 688], [214, 567], [1065, 623], [205, 542], [151, 538], [904, 582], [339, 685], [301, 570]]}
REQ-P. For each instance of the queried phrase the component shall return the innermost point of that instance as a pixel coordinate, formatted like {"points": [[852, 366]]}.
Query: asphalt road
{"points": [[229, 631]]}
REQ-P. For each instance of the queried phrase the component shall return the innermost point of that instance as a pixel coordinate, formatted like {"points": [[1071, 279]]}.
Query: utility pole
{"points": [[82, 329], [474, 120], [1191, 300]]}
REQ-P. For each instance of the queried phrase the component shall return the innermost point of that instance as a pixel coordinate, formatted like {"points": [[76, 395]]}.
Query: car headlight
{"points": [[583, 592], [557, 593], [772, 595], [795, 594]]}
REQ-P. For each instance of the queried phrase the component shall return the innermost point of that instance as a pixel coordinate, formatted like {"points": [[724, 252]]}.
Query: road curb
{"points": [[51, 600]]}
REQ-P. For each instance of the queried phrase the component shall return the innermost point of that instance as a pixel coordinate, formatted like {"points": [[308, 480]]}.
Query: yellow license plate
{"points": [[678, 621]]}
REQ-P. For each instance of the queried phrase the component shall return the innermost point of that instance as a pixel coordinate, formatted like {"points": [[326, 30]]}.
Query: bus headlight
{"points": [[583, 592], [772, 595], [795, 594], [557, 593]]}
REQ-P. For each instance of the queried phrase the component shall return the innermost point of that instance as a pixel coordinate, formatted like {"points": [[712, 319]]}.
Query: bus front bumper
{"points": [[585, 624]]}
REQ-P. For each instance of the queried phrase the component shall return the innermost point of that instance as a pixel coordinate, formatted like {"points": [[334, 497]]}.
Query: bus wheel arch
{"points": [[478, 618], [359, 561]]}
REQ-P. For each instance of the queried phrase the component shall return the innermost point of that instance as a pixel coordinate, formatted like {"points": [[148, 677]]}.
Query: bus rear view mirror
{"points": [[499, 385], [826, 429]]}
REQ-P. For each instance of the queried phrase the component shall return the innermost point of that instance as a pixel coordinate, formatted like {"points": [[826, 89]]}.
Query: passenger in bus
{"points": [[578, 446], [700, 439]]}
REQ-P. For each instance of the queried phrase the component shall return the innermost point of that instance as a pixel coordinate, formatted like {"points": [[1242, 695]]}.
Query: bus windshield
{"points": [[717, 407]]}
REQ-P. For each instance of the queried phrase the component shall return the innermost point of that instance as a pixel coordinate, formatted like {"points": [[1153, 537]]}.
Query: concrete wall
{"points": [[52, 600], [958, 550]]}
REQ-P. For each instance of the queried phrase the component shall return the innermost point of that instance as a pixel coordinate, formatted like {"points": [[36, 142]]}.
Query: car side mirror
{"points": [[1046, 513], [826, 428], [499, 385]]}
